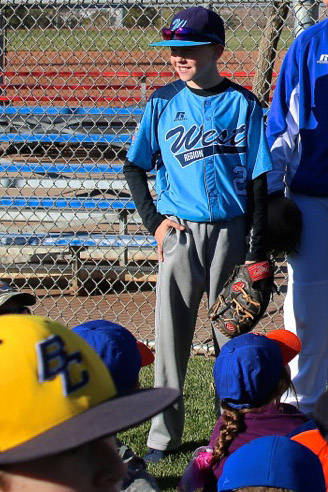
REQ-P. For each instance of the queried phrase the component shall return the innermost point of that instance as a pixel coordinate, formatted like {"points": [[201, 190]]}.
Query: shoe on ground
{"points": [[154, 455]]}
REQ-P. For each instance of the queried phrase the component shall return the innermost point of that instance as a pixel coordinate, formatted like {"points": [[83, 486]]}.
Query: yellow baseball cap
{"points": [[57, 394]]}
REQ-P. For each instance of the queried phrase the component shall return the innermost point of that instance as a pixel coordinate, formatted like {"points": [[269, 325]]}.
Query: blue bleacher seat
{"points": [[37, 211], [74, 203], [78, 239], [49, 167], [66, 125]]}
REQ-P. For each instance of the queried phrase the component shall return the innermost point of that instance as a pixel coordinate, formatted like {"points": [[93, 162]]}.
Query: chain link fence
{"points": [[75, 76]]}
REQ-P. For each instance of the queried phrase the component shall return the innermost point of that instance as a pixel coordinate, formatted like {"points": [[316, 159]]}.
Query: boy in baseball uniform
{"points": [[204, 137]]}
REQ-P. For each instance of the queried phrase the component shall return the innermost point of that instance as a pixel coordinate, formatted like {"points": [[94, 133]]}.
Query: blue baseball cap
{"points": [[273, 461], [247, 370], [118, 349], [194, 26]]}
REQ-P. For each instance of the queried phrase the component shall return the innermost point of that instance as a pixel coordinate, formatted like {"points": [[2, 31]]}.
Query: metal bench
{"points": [[70, 126], [127, 255], [81, 239]]}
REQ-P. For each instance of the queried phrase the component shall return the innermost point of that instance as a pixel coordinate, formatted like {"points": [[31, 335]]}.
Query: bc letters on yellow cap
{"points": [[57, 394]]}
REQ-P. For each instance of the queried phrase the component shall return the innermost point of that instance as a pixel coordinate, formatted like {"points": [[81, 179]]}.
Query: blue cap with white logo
{"points": [[193, 27]]}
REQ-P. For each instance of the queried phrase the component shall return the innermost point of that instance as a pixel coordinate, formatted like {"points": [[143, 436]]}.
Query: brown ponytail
{"points": [[233, 423]]}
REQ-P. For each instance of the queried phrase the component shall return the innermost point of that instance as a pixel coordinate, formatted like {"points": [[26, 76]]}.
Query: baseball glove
{"points": [[243, 299], [284, 226]]}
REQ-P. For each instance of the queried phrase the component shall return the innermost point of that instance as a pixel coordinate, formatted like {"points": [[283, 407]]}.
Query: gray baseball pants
{"points": [[196, 260]]}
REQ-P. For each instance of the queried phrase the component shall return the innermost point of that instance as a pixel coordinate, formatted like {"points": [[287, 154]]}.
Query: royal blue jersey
{"points": [[297, 127], [205, 150]]}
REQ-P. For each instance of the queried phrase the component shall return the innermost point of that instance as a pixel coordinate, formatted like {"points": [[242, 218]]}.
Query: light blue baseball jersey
{"points": [[205, 150], [297, 128]]}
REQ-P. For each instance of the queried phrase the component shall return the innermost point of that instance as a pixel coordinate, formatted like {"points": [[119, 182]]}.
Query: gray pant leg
{"points": [[193, 262], [179, 289], [227, 248]]}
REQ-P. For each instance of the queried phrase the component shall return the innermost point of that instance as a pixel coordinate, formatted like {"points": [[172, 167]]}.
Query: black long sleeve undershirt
{"points": [[136, 178], [257, 201]]}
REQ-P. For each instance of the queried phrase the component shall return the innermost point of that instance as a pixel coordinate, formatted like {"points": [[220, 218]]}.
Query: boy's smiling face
{"points": [[197, 65]]}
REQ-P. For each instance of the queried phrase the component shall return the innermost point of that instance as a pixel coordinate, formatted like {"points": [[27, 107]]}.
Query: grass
{"points": [[200, 421], [118, 39]]}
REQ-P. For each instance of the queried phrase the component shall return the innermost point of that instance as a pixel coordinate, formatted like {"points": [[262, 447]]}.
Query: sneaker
{"points": [[154, 455]]}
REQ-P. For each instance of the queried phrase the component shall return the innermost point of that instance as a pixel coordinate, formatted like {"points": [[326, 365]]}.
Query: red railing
{"points": [[142, 87]]}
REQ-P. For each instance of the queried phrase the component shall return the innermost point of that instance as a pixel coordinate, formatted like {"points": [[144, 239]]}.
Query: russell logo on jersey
{"points": [[180, 116]]}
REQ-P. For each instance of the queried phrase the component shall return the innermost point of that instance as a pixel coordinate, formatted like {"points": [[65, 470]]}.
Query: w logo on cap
{"points": [[53, 360], [176, 23]]}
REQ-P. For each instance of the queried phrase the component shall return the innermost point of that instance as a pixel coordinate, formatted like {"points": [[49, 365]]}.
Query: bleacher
{"points": [[76, 214], [64, 125], [67, 218]]}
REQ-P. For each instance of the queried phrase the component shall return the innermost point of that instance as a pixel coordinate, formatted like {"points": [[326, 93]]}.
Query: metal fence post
{"points": [[143, 89], [306, 14], [2, 50]]}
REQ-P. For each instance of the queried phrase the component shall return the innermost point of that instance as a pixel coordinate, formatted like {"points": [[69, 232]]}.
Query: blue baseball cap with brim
{"points": [[206, 27], [247, 371], [273, 461], [118, 349]]}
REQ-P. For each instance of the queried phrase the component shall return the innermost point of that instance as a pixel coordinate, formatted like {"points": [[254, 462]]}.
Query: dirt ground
{"points": [[135, 309]]}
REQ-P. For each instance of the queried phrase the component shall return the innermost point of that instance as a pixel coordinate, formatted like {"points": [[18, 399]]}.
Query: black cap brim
{"points": [[107, 418], [24, 298]]}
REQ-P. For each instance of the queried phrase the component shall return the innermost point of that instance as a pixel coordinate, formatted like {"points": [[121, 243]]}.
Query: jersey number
{"points": [[239, 181]]}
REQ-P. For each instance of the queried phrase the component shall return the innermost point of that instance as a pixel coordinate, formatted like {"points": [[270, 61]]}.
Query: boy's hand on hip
{"points": [[160, 234]]}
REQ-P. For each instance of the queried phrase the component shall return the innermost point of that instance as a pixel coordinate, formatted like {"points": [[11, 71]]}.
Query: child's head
{"points": [[196, 38], [120, 351], [61, 409], [272, 461], [249, 371]]}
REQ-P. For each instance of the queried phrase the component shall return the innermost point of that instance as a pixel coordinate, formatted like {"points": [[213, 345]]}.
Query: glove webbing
{"points": [[240, 309]]}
